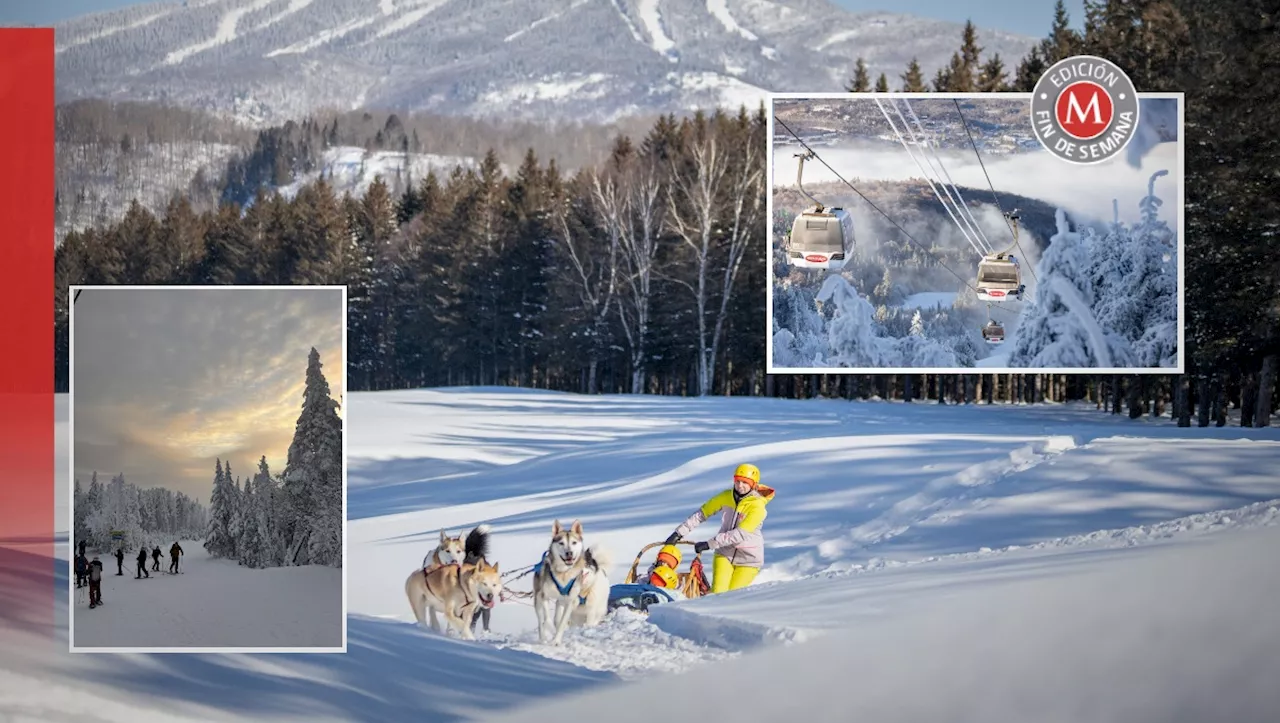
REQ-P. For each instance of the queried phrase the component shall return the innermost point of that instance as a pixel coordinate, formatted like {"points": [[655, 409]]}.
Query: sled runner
{"points": [[662, 583]]}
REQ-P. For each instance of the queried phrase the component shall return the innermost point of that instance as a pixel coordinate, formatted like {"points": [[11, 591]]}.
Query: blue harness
{"points": [[564, 589]]}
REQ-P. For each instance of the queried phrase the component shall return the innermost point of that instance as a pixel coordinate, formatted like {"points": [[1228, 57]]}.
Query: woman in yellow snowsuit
{"points": [[739, 546]]}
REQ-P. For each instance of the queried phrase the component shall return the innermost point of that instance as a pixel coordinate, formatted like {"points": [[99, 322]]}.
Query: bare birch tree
{"points": [[746, 203], [692, 199], [595, 277], [639, 245]]}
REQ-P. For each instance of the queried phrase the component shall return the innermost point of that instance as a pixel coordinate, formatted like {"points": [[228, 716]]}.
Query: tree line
{"points": [[145, 517], [621, 276], [645, 272]]}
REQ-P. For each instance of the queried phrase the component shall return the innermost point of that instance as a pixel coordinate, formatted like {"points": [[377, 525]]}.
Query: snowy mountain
{"points": [[268, 60]]}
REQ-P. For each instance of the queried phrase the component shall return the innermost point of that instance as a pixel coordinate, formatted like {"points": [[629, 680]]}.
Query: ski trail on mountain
{"points": [[652, 19], [225, 33], [720, 9], [108, 32], [293, 7]]}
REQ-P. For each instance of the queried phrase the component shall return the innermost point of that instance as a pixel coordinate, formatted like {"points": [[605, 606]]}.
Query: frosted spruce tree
{"points": [[851, 330], [313, 475], [218, 540], [251, 535], [118, 510], [1058, 329], [264, 495], [1145, 308], [797, 340]]}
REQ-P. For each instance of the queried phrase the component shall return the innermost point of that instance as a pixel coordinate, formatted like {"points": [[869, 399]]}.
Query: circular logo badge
{"points": [[1084, 110]]}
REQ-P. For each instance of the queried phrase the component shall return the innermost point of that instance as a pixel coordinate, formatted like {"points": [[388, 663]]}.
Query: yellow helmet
{"points": [[663, 576], [669, 555], [748, 472]]}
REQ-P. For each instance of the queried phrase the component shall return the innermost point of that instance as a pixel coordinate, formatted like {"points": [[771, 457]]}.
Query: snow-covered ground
{"points": [[205, 606], [934, 562], [351, 169], [930, 299]]}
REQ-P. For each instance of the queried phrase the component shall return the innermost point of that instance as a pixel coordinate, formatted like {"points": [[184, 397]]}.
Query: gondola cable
{"points": [[961, 204], [911, 238], [994, 195], [975, 243]]}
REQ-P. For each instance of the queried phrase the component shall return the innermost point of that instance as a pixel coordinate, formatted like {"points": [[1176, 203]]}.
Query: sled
{"points": [[639, 594]]}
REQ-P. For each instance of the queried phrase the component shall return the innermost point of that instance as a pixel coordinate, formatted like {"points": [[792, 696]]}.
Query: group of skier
{"points": [[90, 571]]}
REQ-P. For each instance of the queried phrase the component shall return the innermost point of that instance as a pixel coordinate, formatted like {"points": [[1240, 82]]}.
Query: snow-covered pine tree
{"points": [[1058, 328], [81, 514], [917, 324], [1107, 268], [264, 494], [1146, 306], [797, 340], [851, 330], [250, 547], [233, 521], [313, 475], [218, 540]]}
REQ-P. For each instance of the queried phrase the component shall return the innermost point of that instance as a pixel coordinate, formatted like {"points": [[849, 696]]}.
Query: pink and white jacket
{"points": [[740, 539]]}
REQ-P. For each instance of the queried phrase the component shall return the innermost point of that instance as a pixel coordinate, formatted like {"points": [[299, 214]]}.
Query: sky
{"points": [[166, 381], [1028, 17]]}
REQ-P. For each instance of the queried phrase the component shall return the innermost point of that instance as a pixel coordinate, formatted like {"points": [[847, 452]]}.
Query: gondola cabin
{"points": [[1000, 278], [821, 239], [993, 332]]}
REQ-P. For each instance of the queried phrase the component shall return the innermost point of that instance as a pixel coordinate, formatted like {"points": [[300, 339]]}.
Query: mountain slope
{"points": [[269, 60]]}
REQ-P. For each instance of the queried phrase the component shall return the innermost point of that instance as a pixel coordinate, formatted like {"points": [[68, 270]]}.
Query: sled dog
{"points": [[456, 591], [556, 581], [592, 602], [451, 550], [477, 551]]}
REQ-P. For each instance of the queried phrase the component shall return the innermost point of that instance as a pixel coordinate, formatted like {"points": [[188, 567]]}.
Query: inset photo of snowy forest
{"points": [[208, 461], [914, 231]]}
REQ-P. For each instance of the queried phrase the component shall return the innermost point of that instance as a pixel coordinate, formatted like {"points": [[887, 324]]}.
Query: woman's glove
{"points": [[701, 547]]}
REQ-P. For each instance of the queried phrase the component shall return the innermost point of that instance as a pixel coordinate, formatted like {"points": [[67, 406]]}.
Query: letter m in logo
{"points": [[1076, 114]]}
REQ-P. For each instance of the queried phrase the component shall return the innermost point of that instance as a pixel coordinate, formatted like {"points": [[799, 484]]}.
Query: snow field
{"points": [[213, 603], [997, 562]]}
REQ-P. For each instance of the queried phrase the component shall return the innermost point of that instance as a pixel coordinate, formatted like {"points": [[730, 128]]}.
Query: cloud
{"points": [[1086, 192], [165, 381]]}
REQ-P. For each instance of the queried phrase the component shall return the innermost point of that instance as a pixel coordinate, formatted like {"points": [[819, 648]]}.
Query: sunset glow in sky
{"points": [[166, 381]]}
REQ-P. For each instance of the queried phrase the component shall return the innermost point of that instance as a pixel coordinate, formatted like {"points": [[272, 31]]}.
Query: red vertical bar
{"points": [[26, 324]]}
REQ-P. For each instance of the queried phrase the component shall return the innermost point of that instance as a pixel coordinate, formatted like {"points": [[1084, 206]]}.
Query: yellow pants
{"points": [[726, 576]]}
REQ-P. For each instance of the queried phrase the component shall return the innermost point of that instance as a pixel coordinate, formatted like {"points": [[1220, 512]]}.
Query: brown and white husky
{"points": [[456, 591]]}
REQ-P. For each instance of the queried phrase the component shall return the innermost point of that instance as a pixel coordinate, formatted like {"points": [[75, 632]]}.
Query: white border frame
{"points": [[1181, 246], [71, 476]]}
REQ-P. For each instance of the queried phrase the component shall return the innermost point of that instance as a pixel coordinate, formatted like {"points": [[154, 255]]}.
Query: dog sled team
{"points": [[89, 572], [571, 584]]}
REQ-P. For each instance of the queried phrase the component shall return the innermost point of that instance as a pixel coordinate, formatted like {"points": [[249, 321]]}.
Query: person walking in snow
{"points": [[174, 552], [155, 558], [95, 582], [120, 560], [142, 563], [82, 569], [739, 546]]}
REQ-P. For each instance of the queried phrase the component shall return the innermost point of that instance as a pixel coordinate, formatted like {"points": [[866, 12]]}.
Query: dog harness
{"points": [[564, 589], [426, 579]]}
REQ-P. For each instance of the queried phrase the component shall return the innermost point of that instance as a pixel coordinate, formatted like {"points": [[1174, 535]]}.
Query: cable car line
{"points": [[814, 154], [927, 177], [960, 205], [994, 195], [925, 146]]}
